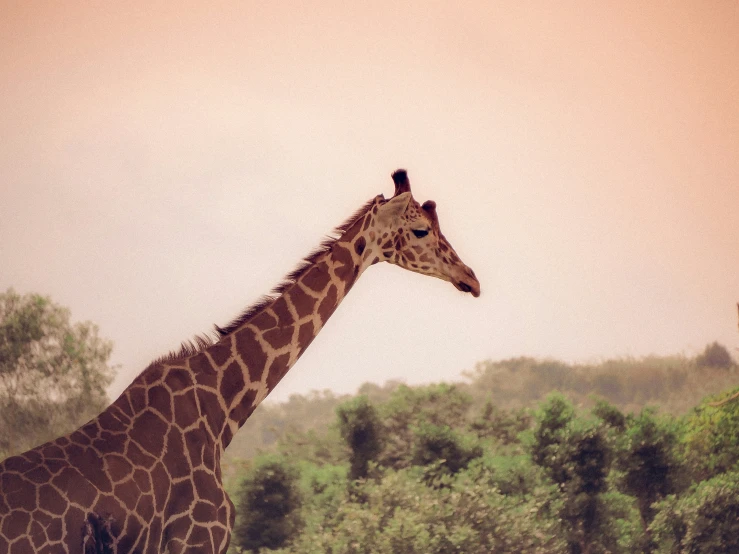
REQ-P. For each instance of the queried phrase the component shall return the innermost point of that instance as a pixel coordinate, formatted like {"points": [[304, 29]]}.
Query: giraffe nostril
{"points": [[464, 287]]}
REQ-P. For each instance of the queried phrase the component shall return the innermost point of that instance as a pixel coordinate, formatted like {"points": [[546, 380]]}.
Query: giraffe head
{"points": [[409, 236]]}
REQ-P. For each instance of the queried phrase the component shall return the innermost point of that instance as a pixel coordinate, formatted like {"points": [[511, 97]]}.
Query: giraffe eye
{"points": [[420, 233]]}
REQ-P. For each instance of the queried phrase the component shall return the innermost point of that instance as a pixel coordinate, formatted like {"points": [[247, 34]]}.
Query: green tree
{"points": [[552, 422], [53, 374], [361, 430], [649, 462], [408, 407], [712, 437], [268, 505], [439, 443], [715, 355], [706, 520]]}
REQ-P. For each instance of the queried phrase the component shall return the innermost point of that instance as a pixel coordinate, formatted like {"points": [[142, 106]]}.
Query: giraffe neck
{"points": [[215, 389]]}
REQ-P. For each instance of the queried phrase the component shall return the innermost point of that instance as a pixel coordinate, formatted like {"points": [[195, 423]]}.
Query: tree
{"points": [[650, 465], [53, 374], [715, 355], [361, 429], [712, 437], [269, 503], [706, 520]]}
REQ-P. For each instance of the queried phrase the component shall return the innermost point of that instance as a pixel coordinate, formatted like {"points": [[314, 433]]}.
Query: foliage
{"points": [[715, 355], [440, 443], [268, 505], [402, 514], [712, 437], [53, 374], [361, 430], [706, 520], [502, 425], [548, 449], [649, 460], [407, 408]]}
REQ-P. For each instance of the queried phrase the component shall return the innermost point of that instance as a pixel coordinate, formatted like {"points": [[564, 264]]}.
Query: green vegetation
{"points": [[526, 456], [53, 374]]}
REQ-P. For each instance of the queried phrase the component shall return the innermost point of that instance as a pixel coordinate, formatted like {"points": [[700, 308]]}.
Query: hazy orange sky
{"points": [[163, 167]]}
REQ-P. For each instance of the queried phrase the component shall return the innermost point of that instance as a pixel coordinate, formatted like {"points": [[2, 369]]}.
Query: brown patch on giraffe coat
{"points": [[161, 486], [152, 374], [52, 451], [328, 304], [185, 408], [244, 408], [89, 463], [306, 334], [18, 492], [280, 308], [200, 365], [367, 222], [143, 480], [174, 457], [387, 245], [117, 467], [317, 277], [360, 245], [148, 431], [277, 370], [204, 512], [408, 254], [80, 438], [211, 409], [53, 501], [232, 382], [109, 422], [220, 352], [127, 493], [203, 482], [22, 546], [39, 474], [351, 232], [264, 320], [251, 353], [197, 440], [160, 399], [345, 268], [226, 436], [279, 337], [178, 379], [145, 506], [137, 456], [302, 302], [74, 487], [111, 443], [137, 398]]}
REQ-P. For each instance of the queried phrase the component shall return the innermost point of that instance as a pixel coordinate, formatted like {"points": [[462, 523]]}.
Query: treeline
{"points": [[434, 469], [673, 383]]}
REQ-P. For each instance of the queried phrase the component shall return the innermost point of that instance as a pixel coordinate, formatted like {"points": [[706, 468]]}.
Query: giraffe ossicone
{"points": [[145, 475]]}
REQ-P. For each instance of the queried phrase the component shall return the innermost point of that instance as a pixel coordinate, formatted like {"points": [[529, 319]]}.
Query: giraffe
{"points": [[144, 476]]}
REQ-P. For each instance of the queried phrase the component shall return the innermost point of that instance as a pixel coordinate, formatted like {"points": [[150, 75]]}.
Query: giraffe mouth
{"points": [[466, 287]]}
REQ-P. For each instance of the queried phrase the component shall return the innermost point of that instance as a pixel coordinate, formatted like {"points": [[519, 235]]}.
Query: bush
{"points": [[715, 355], [268, 506], [705, 521]]}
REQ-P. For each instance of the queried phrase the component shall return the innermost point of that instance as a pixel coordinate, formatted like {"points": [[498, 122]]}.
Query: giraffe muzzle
{"points": [[468, 284]]}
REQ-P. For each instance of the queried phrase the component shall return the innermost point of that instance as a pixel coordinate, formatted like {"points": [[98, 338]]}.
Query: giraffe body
{"points": [[144, 476]]}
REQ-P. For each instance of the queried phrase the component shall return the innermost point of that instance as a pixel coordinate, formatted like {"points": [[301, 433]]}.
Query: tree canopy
{"points": [[53, 373]]}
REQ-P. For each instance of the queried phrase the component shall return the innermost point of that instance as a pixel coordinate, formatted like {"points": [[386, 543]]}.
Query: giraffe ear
{"points": [[393, 208]]}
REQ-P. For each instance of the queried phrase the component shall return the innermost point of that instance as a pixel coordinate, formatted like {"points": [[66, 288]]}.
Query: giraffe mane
{"points": [[201, 342]]}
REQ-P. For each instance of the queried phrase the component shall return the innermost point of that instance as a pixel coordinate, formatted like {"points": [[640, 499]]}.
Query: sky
{"points": [[162, 166]]}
